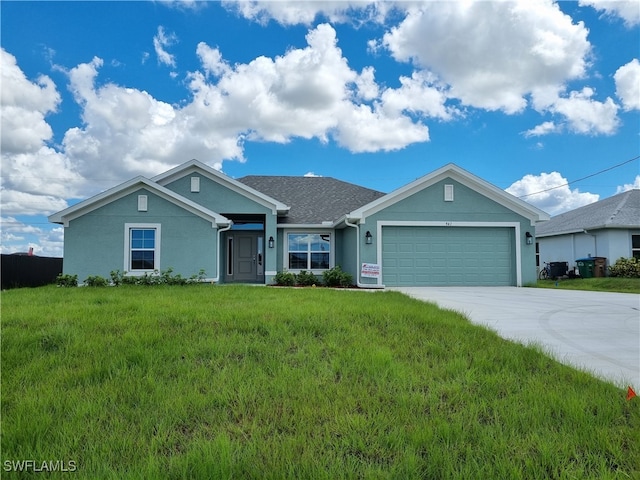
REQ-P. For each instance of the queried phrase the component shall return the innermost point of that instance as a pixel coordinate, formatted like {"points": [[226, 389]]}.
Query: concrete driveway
{"points": [[594, 331]]}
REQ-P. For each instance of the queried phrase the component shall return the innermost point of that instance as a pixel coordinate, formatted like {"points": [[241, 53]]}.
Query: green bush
{"points": [[625, 267], [306, 279], [67, 280], [96, 281], [336, 277], [285, 279], [165, 277]]}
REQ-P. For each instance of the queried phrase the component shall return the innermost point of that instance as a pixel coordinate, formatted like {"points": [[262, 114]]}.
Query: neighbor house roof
{"points": [[619, 211], [313, 200]]}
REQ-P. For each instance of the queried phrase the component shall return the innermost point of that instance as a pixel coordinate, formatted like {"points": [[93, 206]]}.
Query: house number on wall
{"points": [[448, 224]]}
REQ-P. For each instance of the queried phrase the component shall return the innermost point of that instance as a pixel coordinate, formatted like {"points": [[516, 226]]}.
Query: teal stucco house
{"points": [[448, 227]]}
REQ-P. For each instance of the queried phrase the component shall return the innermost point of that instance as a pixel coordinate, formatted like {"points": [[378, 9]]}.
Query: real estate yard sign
{"points": [[370, 270]]}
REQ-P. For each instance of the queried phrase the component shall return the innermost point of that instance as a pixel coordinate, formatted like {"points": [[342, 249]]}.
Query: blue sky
{"points": [[527, 95]]}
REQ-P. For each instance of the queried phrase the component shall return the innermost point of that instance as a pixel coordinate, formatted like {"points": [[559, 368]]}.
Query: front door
{"points": [[246, 257]]}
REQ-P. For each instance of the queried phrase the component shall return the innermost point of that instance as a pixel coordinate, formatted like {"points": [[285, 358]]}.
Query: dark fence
{"points": [[29, 270]]}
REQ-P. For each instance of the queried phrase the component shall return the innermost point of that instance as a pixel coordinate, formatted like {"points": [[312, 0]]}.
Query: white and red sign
{"points": [[370, 270]]}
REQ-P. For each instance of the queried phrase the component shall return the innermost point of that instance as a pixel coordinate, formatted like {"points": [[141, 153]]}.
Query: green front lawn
{"points": [[253, 382], [602, 284]]}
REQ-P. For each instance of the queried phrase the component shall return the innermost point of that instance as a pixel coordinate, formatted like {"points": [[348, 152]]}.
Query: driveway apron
{"points": [[594, 331]]}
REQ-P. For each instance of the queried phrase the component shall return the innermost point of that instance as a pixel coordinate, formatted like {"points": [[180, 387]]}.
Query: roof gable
{"points": [[124, 189], [463, 177], [313, 200], [618, 211], [195, 166]]}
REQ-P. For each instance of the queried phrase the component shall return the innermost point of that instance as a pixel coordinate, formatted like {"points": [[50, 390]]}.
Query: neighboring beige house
{"points": [[609, 228]]}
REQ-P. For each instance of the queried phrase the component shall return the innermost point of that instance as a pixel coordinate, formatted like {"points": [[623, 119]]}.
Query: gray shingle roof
{"points": [[313, 200], [619, 211]]}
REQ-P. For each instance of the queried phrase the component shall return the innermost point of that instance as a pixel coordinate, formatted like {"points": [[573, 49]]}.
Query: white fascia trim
{"points": [[462, 176], [196, 166], [408, 223], [65, 216]]}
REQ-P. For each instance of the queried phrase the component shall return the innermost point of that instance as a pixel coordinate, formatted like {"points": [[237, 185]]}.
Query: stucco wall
{"points": [[468, 206], [225, 201], [94, 243]]}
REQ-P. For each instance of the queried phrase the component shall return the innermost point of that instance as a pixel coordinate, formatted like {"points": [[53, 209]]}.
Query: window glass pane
{"points": [[136, 238], [320, 260], [635, 241], [149, 238], [298, 243], [319, 243], [142, 259], [298, 261]]}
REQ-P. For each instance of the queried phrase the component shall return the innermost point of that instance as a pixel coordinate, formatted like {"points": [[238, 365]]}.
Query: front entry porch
{"points": [[244, 253]]}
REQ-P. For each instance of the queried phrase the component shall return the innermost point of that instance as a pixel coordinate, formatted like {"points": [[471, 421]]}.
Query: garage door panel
{"points": [[448, 256]]}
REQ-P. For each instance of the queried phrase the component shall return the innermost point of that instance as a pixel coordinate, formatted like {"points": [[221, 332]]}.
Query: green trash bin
{"points": [[586, 267]]}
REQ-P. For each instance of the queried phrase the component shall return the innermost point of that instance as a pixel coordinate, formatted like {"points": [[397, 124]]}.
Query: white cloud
{"points": [[212, 60], [417, 94], [627, 80], [184, 4], [305, 12], [629, 186], [492, 54], [555, 196], [544, 128], [585, 115], [24, 107], [629, 11], [162, 40], [308, 92], [311, 175], [35, 177]]}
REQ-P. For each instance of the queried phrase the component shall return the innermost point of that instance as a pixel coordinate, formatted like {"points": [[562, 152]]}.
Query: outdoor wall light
{"points": [[270, 242], [368, 238], [529, 238]]}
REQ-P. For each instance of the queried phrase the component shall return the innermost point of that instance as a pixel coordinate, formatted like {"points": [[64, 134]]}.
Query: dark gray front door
{"points": [[247, 257]]}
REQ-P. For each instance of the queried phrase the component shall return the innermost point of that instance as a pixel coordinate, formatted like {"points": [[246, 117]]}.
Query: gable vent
{"points": [[142, 203], [448, 193], [195, 184]]}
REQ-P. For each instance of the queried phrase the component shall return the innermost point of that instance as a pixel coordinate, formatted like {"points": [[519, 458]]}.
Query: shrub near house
{"points": [[625, 267]]}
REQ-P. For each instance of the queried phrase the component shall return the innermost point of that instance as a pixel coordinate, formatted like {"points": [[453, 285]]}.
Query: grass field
{"points": [[253, 382], [601, 284]]}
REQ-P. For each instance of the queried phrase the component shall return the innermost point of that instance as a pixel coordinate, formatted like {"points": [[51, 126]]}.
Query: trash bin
{"points": [[558, 269], [586, 267], [600, 267], [592, 267]]}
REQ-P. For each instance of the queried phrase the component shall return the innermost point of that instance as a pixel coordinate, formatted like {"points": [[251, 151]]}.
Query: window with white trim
{"points": [[635, 246], [142, 248], [309, 251]]}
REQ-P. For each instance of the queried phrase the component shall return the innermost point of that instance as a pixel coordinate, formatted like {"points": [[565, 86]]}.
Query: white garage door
{"points": [[430, 256]]}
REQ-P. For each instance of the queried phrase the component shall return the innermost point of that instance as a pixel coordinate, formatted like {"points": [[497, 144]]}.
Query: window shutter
{"points": [[195, 184]]}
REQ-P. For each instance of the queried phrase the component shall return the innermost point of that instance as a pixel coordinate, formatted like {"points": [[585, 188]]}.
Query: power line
{"points": [[583, 178]]}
